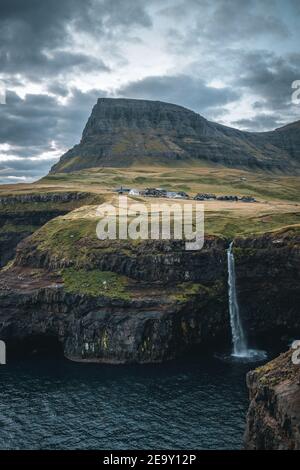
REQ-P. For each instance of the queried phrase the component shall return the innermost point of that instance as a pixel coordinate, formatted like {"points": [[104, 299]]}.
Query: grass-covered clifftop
{"points": [[72, 239], [192, 179], [74, 235]]}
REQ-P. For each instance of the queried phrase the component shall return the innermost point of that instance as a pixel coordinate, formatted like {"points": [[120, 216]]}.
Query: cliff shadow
{"points": [[39, 345]]}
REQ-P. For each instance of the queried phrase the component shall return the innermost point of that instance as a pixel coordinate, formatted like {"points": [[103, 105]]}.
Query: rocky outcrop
{"points": [[267, 269], [273, 419], [15, 226], [42, 197], [22, 214], [151, 325], [268, 280], [151, 261], [175, 299], [125, 132]]}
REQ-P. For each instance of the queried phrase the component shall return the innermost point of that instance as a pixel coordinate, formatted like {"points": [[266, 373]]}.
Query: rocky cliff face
{"points": [[160, 302], [42, 197], [173, 301], [123, 132], [21, 215], [268, 279], [273, 419], [150, 325]]}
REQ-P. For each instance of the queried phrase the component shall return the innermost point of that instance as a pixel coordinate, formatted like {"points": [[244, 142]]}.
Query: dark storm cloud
{"points": [[252, 45], [27, 121], [234, 19], [29, 28], [180, 89], [226, 22], [30, 125], [38, 119], [259, 123], [32, 32], [58, 89], [270, 77], [38, 65]]}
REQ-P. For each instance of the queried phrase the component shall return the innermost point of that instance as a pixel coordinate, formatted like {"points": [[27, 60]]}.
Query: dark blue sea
{"points": [[195, 403]]}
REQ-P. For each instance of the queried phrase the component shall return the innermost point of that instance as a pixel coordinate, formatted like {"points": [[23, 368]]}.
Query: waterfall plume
{"points": [[239, 340]]}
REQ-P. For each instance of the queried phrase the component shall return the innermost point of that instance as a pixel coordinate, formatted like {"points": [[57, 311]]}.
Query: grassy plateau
{"points": [[277, 195]]}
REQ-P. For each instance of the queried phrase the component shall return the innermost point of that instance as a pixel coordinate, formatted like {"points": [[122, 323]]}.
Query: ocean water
{"points": [[195, 403]]}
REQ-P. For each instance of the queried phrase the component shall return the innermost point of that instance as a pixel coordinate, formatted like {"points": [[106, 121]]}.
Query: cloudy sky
{"points": [[233, 61]]}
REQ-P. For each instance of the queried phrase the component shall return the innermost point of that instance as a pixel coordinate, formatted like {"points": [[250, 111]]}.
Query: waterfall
{"points": [[239, 341]]}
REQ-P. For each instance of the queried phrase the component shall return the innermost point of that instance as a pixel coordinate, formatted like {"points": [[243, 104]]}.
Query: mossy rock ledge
{"points": [[147, 301]]}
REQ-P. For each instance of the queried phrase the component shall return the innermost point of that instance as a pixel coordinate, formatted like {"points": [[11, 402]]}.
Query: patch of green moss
{"points": [[187, 290], [59, 236], [96, 283], [277, 371]]}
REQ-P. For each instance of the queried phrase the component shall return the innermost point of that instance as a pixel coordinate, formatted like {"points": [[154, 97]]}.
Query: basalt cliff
{"points": [[23, 214], [144, 302], [273, 419], [127, 132]]}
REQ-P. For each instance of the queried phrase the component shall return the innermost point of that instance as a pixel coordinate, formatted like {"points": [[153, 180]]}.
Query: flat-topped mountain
{"points": [[127, 132]]}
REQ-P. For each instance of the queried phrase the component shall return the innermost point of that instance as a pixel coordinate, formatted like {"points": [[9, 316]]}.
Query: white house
{"points": [[134, 192]]}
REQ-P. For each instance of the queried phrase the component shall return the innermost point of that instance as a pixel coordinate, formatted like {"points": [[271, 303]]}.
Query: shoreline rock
{"points": [[273, 418]]}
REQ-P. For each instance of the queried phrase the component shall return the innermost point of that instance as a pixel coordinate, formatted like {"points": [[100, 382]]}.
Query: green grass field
{"points": [[278, 196]]}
